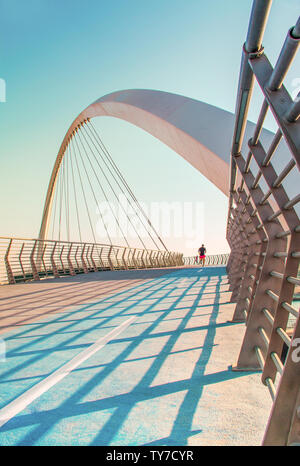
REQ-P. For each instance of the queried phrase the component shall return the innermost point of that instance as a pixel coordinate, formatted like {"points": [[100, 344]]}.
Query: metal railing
{"points": [[215, 259], [32, 259], [264, 232]]}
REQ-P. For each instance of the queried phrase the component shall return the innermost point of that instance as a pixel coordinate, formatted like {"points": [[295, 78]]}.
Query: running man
{"points": [[202, 252]]}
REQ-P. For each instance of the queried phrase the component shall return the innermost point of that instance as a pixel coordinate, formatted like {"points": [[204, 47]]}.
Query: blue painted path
{"points": [[162, 380]]}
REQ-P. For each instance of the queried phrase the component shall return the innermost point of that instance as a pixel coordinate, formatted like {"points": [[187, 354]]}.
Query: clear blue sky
{"points": [[58, 56]]}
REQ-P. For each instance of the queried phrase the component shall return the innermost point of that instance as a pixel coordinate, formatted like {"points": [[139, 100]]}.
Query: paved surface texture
{"points": [[126, 358]]}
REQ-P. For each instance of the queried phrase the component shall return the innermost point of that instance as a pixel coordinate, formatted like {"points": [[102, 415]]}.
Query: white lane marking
{"points": [[17, 405]]}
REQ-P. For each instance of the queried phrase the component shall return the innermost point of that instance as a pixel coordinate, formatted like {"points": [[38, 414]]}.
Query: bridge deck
{"points": [[158, 374]]}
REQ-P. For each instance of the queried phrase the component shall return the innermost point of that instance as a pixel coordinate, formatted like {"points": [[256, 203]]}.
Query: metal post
{"points": [[9, 272], [32, 263]]}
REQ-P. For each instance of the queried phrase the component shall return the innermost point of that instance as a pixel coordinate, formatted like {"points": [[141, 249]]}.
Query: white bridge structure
{"points": [[256, 169]]}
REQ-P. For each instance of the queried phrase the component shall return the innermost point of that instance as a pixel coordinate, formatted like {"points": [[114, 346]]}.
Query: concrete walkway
{"points": [[126, 358]]}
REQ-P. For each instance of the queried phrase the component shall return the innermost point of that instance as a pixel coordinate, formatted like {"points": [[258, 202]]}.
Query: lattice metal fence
{"points": [[215, 259], [264, 233], [32, 259]]}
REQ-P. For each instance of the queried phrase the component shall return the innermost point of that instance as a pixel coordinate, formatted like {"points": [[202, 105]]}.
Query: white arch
{"points": [[199, 132]]}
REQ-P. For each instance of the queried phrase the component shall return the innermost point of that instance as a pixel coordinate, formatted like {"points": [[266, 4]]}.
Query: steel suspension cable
{"points": [[66, 197], [124, 237], [115, 168], [82, 189], [121, 177], [75, 196], [55, 207], [61, 198], [91, 187]]}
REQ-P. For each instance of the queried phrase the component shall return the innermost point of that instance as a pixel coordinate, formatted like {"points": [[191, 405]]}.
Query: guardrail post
{"points": [[271, 269], [54, 267], [20, 261], [9, 272], [234, 243], [87, 257], [32, 263], [133, 259], [85, 269], [43, 259], [76, 260], [179, 260], [71, 268], [123, 259], [166, 258], [109, 258], [173, 259], [142, 259], [61, 259], [245, 248], [66, 257], [92, 259], [101, 263], [241, 251], [150, 259]]}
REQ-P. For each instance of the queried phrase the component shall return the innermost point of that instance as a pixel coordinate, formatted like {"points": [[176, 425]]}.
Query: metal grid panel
{"points": [[264, 234]]}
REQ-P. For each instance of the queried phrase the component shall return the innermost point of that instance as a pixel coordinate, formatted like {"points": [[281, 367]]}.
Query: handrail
{"points": [[23, 259]]}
